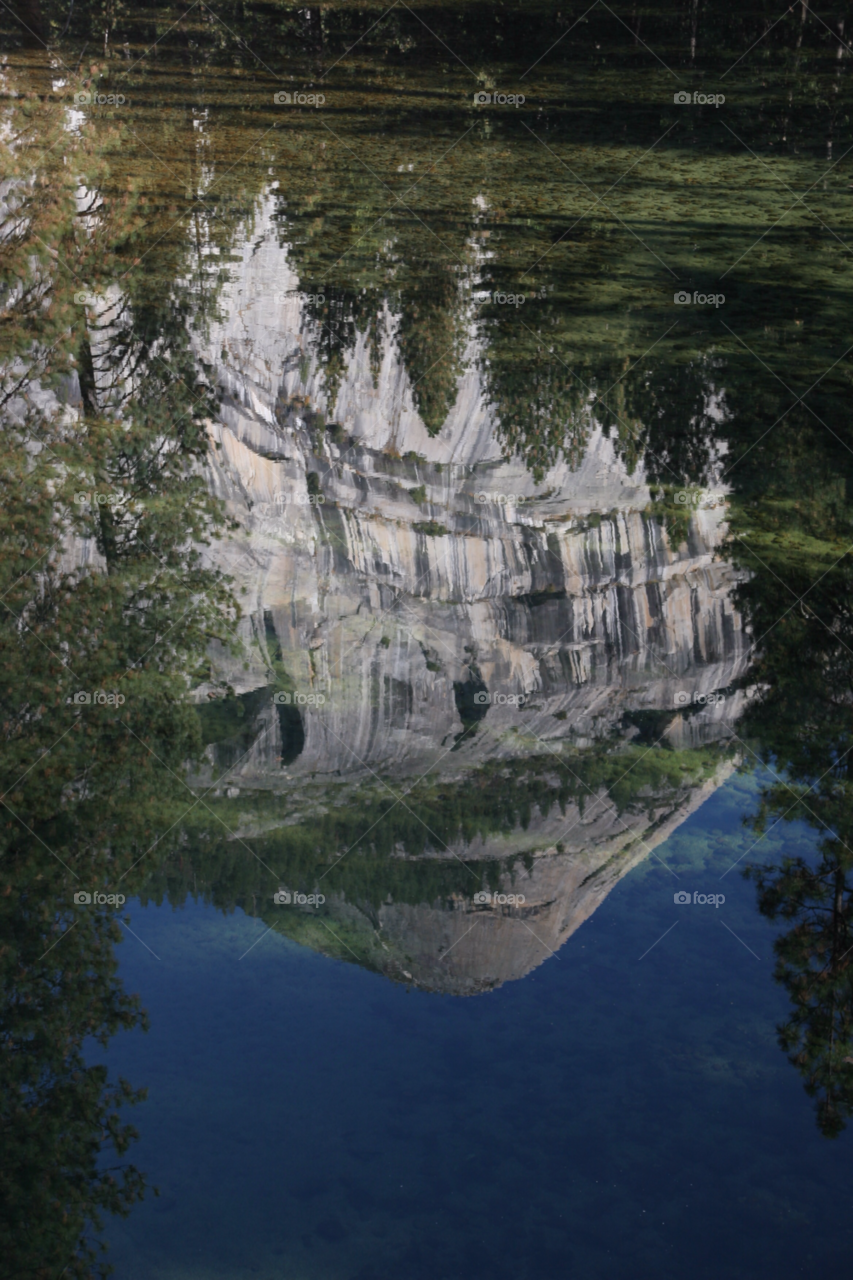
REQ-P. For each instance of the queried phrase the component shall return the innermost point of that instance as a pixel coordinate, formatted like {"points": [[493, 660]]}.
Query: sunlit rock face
{"points": [[411, 586]]}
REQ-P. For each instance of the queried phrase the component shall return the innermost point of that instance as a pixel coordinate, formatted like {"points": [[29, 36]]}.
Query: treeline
{"points": [[696, 33]]}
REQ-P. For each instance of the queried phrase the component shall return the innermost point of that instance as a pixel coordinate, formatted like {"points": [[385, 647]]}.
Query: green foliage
{"points": [[59, 1117], [497, 799], [814, 965], [430, 528], [107, 612], [792, 533]]}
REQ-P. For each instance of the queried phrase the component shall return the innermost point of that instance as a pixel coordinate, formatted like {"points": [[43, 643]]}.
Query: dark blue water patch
{"points": [[607, 1116]]}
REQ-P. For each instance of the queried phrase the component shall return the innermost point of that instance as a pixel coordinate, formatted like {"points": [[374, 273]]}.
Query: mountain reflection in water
{"points": [[380, 526], [426, 608]]}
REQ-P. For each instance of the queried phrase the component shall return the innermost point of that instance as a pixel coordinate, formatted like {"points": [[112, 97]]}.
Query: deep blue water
{"points": [[607, 1116]]}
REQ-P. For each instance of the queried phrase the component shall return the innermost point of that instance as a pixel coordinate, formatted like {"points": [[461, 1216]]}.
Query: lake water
{"points": [[495, 359], [608, 1115]]}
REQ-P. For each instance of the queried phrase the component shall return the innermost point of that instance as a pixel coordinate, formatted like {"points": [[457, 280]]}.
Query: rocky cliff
{"points": [[407, 586]]}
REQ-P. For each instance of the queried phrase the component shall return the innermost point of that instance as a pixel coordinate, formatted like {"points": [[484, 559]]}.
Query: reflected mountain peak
{"points": [[467, 944]]}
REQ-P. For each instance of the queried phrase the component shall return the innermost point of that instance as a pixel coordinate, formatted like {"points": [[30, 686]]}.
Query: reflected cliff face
{"points": [[483, 525], [449, 885], [419, 605], [407, 593]]}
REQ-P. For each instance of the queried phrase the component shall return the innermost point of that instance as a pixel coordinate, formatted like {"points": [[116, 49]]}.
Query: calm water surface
{"points": [[607, 1116]]}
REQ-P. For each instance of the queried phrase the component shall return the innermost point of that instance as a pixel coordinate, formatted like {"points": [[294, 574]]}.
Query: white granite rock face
{"points": [[417, 564]]}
